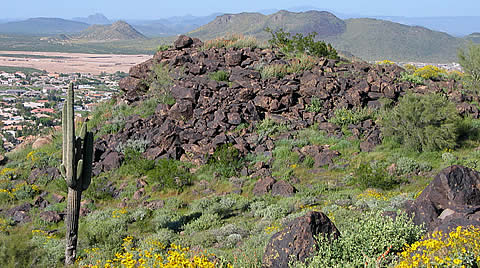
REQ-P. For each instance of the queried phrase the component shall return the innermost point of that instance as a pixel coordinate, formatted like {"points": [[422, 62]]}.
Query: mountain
{"points": [[370, 39], [474, 37], [96, 18], [173, 25], [373, 39], [324, 23], [40, 26], [119, 30], [457, 26]]}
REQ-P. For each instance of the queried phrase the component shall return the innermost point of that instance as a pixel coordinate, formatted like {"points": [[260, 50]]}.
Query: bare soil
{"points": [[73, 62]]}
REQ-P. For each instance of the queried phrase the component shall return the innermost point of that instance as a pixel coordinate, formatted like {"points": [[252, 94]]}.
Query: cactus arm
{"points": [[79, 170], [87, 160], [70, 140], [62, 170]]}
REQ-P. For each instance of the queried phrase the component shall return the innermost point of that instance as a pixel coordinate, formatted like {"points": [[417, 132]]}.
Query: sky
{"points": [[155, 9]]}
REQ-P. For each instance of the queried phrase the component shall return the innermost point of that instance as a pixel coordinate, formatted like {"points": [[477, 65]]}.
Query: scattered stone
{"points": [[297, 241], [50, 216]]}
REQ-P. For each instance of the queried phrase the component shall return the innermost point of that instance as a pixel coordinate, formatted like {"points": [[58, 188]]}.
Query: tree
{"points": [[469, 59]]}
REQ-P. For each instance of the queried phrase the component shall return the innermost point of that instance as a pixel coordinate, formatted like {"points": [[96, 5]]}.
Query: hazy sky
{"points": [[151, 9]]}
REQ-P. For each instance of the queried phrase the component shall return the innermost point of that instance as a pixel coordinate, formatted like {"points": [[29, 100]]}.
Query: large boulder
{"points": [[298, 241], [263, 185], [183, 42], [452, 199]]}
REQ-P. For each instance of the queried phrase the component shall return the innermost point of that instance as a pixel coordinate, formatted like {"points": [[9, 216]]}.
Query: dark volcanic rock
{"points": [[50, 216], [183, 42], [297, 241], [283, 188], [263, 186], [452, 199]]}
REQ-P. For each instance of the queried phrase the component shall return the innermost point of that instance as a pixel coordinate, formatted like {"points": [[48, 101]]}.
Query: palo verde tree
{"points": [[77, 171], [469, 59]]}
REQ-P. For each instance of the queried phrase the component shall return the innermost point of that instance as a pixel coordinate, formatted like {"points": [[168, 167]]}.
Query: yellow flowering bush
{"points": [[385, 62], [157, 255], [430, 72], [460, 248], [372, 194]]}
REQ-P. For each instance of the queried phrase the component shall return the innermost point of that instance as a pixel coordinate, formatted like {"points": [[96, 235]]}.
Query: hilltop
{"points": [[324, 23], [119, 30], [369, 39], [41, 26]]}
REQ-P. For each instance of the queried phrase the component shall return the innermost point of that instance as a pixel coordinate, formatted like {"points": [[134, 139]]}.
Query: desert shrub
{"points": [[373, 175], [170, 174], [204, 222], [51, 248], [105, 228], [469, 59], [17, 254], [431, 72], [219, 76], [417, 80], [135, 145], [315, 106], [268, 127], [410, 68], [163, 47], [458, 248], [235, 40], [284, 159], [295, 65], [225, 161], [385, 62], [406, 165], [162, 218], [344, 117], [365, 239], [422, 122], [160, 83], [300, 44]]}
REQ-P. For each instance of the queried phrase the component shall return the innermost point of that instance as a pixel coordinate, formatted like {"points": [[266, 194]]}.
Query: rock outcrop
{"points": [[208, 113], [452, 199], [297, 241]]}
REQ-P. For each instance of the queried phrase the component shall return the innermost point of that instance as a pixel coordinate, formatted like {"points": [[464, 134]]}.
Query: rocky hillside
{"points": [[250, 155], [119, 30], [209, 113]]}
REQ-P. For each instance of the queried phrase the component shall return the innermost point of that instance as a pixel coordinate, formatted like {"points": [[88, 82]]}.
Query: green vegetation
{"points": [[422, 122], [365, 240], [300, 44], [344, 117], [25, 70], [470, 61], [229, 41], [219, 76]]}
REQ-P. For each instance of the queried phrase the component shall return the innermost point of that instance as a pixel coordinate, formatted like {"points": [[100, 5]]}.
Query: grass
{"points": [[9, 69]]}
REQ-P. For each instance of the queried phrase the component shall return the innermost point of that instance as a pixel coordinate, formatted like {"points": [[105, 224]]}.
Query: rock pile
{"points": [[208, 113]]}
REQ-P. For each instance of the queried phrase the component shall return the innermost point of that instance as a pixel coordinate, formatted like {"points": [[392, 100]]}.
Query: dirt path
{"points": [[72, 62]]}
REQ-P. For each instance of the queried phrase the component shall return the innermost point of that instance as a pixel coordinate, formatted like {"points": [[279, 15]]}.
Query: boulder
{"points": [[263, 186], [40, 142], [50, 216], [298, 240], [183, 41], [283, 188], [452, 199], [112, 161]]}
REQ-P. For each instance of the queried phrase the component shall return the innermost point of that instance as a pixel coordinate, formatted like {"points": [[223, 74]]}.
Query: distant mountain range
{"points": [[119, 30], [96, 18], [370, 39], [43, 26]]}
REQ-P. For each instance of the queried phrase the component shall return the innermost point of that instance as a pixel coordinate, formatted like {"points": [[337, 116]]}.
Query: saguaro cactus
{"points": [[77, 171]]}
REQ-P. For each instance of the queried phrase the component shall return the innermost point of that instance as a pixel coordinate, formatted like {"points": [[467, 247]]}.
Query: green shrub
{"points": [[160, 83], [296, 65], [363, 241], [268, 127], [469, 59], [417, 80], [226, 160], [235, 41], [51, 248], [170, 174], [219, 76], [406, 165], [315, 106], [163, 47], [300, 44], [344, 117], [374, 175], [422, 122], [204, 222]]}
